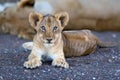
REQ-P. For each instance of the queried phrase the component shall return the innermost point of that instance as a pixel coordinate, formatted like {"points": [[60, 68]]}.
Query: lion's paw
{"points": [[32, 63], [60, 63], [27, 45]]}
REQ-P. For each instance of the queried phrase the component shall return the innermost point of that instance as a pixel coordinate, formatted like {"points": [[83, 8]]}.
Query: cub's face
{"points": [[49, 30], [48, 27]]}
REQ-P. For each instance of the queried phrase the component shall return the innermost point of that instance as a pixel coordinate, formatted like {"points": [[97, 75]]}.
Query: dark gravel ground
{"points": [[104, 64]]}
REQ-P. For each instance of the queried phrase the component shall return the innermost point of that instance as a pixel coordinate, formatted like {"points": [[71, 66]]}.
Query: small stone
{"points": [[110, 60], [48, 69], [34, 76], [113, 57], [94, 78], [83, 74], [1, 78], [26, 71], [38, 73], [6, 51], [74, 75], [44, 71], [114, 36], [118, 70]]}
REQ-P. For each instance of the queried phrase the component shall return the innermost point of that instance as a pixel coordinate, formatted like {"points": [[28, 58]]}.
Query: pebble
{"points": [[94, 78], [118, 70], [83, 74], [48, 69], [38, 73], [113, 57], [109, 60], [6, 51], [14, 51], [34, 76], [114, 35], [26, 71], [1, 78], [75, 75], [44, 71]]}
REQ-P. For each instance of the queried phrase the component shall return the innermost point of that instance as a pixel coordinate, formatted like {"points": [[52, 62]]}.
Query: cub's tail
{"points": [[108, 44]]}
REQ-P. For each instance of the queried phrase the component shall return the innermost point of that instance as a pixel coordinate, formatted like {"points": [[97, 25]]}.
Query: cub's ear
{"points": [[63, 17], [34, 18], [26, 3]]}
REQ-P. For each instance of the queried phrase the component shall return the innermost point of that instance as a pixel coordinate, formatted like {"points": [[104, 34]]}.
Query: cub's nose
{"points": [[49, 40]]}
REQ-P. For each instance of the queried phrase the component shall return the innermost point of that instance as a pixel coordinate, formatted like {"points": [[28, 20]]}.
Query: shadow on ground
{"points": [[104, 64]]}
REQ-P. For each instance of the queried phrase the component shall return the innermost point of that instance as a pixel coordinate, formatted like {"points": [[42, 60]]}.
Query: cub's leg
{"points": [[34, 59], [60, 61]]}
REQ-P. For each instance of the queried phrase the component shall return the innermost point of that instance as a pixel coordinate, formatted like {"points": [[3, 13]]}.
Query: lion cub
{"points": [[52, 43], [48, 40]]}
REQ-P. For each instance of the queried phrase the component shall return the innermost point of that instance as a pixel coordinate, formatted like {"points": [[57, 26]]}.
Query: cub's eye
{"points": [[55, 28], [43, 28]]}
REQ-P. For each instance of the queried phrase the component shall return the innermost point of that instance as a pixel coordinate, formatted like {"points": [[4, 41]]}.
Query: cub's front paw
{"points": [[27, 45], [60, 63], [32, 63]]}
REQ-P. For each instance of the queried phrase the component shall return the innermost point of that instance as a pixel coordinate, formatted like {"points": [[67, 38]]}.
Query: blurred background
{"points": [[3, 1], [98, 15]]}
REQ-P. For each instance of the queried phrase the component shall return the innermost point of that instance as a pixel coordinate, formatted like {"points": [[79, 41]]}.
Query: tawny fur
{"points": [[51, 42], [53, 49], [14, 20], [100, 15]]}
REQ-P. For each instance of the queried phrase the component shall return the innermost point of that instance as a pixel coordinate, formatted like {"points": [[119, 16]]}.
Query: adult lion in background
{"points": [[100, 15], [14, 19]]}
